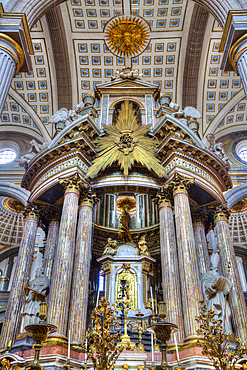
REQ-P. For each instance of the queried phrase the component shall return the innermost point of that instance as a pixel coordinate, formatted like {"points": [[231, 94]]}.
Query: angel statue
{"points": [[65, 116], [110, 247], [215, 289], [34, 149], [143, 246], [217, 148]]}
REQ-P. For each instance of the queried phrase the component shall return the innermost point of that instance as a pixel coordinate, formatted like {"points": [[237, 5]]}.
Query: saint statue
{"points": [[36, 292], [124, 225], [215, 289], [110, 247]]}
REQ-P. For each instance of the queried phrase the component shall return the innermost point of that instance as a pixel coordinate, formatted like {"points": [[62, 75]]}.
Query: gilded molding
{"points": [[236, 50], [19, 50], [226, 30]]}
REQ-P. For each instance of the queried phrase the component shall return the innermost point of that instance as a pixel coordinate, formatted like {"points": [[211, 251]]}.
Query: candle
{"points": [[152, 343], [69, 346], [97, 301], [152, 298], [86, 352], [175, 340]]}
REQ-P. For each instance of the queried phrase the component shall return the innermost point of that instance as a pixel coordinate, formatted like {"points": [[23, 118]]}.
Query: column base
{"points": [[56, 339]]}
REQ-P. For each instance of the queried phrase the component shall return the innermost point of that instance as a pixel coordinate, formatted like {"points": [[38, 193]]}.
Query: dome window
{"points": [[7, 156]]}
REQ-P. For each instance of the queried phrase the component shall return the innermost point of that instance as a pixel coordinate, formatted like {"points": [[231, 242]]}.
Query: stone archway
{"points": [[8, 189], [236, 194]]}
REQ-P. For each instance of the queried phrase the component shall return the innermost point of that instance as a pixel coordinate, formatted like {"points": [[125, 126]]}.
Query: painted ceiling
{"points": [[71, 58]]}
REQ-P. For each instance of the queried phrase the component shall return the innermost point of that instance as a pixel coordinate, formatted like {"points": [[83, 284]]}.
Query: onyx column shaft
{"points": [[51, 246], [59, 296], [80, 283], [169, 264], [227, 255], [16, 298], [201, 247], [189, 274]]}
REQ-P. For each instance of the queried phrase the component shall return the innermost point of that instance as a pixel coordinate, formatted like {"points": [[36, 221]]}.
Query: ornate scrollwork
{"points": [[221, 213]]}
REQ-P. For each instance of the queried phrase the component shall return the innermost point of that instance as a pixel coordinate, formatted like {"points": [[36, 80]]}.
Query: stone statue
{"points": [[125, 73], [143, 246], [111, 247], [65, 115], [217, 148], [215, 289], [36, 292], [124, 225], [35, 148]]}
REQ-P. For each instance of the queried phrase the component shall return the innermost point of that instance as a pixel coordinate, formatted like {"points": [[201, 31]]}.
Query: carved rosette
{"points": [[73, 184], [221, 213], [179, 184]]}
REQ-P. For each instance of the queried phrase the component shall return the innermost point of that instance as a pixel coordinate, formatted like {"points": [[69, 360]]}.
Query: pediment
{"points": [[125, 85]]}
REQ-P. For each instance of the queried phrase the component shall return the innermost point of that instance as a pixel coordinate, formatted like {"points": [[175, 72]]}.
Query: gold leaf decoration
{"points": [[126, 143]]}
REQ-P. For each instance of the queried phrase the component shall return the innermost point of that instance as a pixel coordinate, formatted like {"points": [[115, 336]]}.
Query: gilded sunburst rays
{"points": [[127, 36], [126, 143]]}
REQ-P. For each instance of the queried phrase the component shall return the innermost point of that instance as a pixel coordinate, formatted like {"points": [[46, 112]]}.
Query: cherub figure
{"points": [[143, 246]]}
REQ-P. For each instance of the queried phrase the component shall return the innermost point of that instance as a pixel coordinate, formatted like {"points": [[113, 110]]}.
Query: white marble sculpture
{"points": [[64, 115], [36, 292], [35, 148], [215, 289], [217, 148]]}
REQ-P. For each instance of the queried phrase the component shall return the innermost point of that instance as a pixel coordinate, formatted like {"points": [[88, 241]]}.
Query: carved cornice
{"points": [[179, 184], [73, 184], [221, 213]]}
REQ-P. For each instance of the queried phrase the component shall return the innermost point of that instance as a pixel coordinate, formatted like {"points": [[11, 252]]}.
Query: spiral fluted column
{"points": [[51, 246], [227, 255], [22, 273], [188, 268], [11, 59], [80, 283], [61, 279], [201, 244], [169, 264]]}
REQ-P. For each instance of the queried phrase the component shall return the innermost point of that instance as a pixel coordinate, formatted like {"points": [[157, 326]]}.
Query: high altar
{"points": [[125, 191]]}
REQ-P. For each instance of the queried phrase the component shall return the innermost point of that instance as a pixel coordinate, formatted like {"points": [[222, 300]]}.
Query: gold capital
{"points": [[72, 184], [179, 184], [31, 212], [221, 213], [88, 197], [163, 197], [199, 218]]}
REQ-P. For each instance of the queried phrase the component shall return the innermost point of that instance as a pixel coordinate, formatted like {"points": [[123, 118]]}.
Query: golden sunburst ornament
{"points": [[126, 143], [127, 36]]}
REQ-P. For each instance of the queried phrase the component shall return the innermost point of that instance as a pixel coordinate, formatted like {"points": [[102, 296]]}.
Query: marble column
{"points": [[61, 279], [22, 273], [81, 270], [11, 59], [169, 264], [188, 268], [51, 246], [227, 255], [201, 243], [238, 59]]}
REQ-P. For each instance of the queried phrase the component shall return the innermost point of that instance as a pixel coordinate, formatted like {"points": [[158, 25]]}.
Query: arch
{"points": [[236, 194], [8, 189], [33, 9], [224, 111], [220, 8], [135, 108]]}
